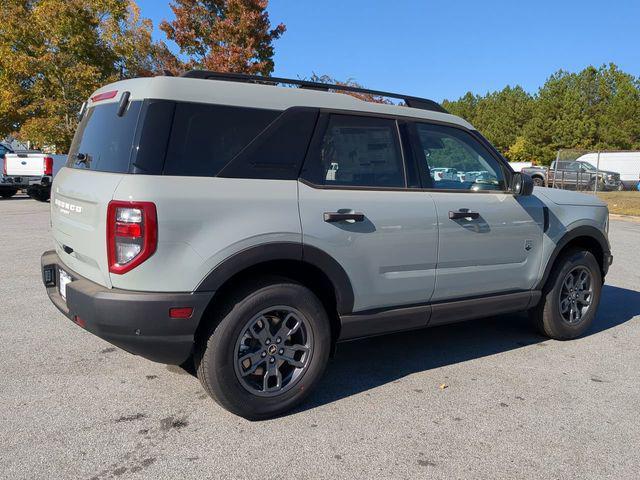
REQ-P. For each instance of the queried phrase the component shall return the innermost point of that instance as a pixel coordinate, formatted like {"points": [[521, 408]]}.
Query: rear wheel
{"points": [[571, 297], [268, 349], [39, 194]]}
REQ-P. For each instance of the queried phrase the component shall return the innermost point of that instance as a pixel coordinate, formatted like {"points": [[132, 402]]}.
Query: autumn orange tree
{"points": [[54, 53], [224, 35], [350, 82]]}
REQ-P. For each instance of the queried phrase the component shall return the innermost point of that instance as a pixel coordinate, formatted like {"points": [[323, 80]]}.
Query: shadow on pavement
{"points": [[366, 364], [14, 198]]}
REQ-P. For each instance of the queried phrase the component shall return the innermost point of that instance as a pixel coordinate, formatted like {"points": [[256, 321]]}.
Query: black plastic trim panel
{"points": [[253, 256], [137, 322], [582, 231], [382, 321]]}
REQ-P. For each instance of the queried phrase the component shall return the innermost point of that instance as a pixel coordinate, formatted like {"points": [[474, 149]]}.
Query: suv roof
{"points": [[410, 101], [208, 87]]}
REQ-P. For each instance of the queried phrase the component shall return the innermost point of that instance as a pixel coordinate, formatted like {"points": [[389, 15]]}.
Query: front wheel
{"points": [[570, 298], [268, 349], [538, 182]]}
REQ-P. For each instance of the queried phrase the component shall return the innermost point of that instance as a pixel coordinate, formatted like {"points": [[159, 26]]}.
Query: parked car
{"points": [[576, 175], [7, 189], [224, 221], [33, 172], [626, 163]]}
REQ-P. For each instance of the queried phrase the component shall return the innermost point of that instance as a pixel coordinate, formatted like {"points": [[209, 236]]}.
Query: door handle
{"points": [[332, 217], [463, 213]]}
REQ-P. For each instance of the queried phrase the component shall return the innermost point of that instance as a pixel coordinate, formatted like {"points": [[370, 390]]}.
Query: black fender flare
{"points": [[581, 231], [274, 251]]}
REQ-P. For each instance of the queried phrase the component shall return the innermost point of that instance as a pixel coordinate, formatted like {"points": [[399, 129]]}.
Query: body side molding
{"points": [[286, 251], [397, 319], [582, 231]]}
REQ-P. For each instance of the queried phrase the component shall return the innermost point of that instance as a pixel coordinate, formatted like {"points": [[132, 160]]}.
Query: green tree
{"points": [[55, 53], [464, 107], [597, 108], [500, 116]]}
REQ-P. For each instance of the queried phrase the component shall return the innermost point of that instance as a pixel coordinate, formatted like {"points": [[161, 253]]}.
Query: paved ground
{"points": [[516, 405]]}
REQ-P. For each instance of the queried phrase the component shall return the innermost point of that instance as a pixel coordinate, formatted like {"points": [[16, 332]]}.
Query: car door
{"points": [[356, 207], [490, 241]]}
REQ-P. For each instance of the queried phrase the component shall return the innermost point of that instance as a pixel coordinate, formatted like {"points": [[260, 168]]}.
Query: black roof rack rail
{"points": [[414, 102]]}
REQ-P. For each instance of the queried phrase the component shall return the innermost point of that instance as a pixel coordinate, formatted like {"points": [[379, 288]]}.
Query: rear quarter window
{"points": [[204, 138], [103, 140]]}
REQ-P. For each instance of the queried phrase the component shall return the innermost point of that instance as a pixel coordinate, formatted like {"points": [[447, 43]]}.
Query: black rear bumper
{"points": [[137, 322]]}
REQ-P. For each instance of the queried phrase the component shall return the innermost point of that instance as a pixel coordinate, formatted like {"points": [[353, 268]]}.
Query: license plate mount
{"points": [[63, 279]]}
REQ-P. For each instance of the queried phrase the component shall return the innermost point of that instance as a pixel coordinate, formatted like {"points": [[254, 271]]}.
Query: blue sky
{"points": [[442, 49]]}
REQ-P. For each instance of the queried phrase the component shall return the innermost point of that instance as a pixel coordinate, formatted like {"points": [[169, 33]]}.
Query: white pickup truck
{"points": [[32, 171]]}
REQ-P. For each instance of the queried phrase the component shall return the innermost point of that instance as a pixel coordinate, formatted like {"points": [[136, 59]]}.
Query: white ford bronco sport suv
{"points": [[224, 220]]}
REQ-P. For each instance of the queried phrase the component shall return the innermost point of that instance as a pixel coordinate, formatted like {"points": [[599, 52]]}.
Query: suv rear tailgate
{"points": [[79, 201]]}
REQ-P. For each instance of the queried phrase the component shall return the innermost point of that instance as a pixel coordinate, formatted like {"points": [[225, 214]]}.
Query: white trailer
{"points": [[627, 164]]}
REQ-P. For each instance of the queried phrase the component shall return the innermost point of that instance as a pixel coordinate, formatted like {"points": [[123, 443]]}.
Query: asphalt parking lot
{"points": [[487, 399]]}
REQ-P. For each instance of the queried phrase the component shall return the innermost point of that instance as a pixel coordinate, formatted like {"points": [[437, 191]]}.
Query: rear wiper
{"points": [[83, 158]]}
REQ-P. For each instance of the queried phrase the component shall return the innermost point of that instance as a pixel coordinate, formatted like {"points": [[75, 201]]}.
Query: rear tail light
{"points": [[48, 166], [4, 166], [132, 234]]}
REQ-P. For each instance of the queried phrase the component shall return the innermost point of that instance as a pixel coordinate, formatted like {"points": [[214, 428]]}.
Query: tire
{"points": [[8, 193], [538, 182], [39, 194], [219, 349], [548, 316]]}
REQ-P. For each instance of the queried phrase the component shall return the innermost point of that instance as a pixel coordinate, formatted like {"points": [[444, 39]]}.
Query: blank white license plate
{"points": [[64, 279]]}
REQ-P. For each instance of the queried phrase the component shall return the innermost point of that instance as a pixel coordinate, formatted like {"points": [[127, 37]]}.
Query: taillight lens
{"points": [[132, 234], [4, 166], [48, 166]]}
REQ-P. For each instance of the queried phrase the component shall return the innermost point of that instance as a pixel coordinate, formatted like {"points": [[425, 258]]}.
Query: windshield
{"points": [[103, 140]]}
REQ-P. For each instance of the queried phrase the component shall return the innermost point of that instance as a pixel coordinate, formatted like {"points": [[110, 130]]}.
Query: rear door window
{"points": [[204, 138], [103, 140], [357, 151]]}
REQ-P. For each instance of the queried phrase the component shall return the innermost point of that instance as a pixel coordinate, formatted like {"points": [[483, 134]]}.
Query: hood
{"points": [[568, 197]]}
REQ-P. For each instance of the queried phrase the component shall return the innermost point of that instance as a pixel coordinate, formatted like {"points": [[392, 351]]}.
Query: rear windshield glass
{"points": [[103, 140], [204, 138]]}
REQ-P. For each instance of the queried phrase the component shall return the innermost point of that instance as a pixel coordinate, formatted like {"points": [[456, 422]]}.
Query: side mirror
{"points": [[521, 184]]}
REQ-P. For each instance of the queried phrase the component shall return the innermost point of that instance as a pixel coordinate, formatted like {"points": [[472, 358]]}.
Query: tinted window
{"points": [[359, 151], [278, 152], [453, 159], [153, 135], [571, 166], [204, 138], [103, 140]]}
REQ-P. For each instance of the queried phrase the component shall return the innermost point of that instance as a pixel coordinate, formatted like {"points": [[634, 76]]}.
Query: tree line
{"points": [[55, 53], [595, 109]]}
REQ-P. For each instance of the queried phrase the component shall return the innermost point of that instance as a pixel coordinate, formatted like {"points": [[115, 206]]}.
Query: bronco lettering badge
{"points": [[66, 207]]}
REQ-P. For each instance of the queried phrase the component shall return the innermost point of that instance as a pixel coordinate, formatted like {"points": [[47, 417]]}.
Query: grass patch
{"points": [[622, 203]]}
